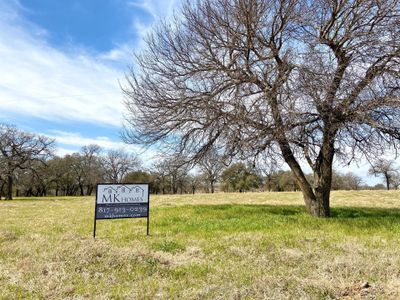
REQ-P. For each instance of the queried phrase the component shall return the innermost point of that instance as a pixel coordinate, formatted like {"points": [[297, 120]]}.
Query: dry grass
{"points": [[222, 246], [373, 198]]}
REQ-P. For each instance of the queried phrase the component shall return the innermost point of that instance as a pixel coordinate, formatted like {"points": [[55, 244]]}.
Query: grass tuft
{"points": [[168, 246]]}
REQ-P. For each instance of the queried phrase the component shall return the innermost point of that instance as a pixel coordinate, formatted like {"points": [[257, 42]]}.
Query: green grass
{"points": [[222, 246]]}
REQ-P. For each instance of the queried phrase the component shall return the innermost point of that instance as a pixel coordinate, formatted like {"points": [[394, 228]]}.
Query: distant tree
{"points": [[352, 181], [212, 165], [19, 150], [379, 186], [240, 177], [195, 181], [308, 79], [385, 168], [348, 181], [395, 181], [55, 173], [93, 171], [285, 181], [64, 175], [267, 164], [34, 181], [138, 177], [3, 179], [88, 168], [337, 181], [172, 173], [118, 163], [143, 177], [61, 175], [160, 175], [77, 166]]}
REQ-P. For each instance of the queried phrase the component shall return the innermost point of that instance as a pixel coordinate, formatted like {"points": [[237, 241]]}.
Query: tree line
{"points": [[30, 168]]}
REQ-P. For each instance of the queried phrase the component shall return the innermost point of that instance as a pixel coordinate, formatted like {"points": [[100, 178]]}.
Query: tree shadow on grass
{"points": [[337, 213], [365, 212], [247, 209], [209, 219]]}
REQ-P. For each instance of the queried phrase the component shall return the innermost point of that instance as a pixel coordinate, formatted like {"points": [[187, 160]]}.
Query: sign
{"points": [[118, 201]]}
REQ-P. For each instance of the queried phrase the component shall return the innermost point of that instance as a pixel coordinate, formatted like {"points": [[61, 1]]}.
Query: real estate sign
{"points": [[117, 201]]}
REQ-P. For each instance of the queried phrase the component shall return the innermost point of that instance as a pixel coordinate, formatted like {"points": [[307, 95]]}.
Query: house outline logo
{"points": [[124, 189], [123, 193]]}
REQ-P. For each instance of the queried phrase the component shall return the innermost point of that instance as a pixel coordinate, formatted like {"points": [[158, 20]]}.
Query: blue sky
{"points": [[61, 62]]}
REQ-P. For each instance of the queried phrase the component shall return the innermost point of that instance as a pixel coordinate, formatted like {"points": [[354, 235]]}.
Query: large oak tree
{"points": [[309, 80]]}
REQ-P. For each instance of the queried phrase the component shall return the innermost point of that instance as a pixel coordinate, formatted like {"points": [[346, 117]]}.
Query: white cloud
{"points": [[156, 8], [39, 81], [62, 151], [121, 53], [76, 140]]}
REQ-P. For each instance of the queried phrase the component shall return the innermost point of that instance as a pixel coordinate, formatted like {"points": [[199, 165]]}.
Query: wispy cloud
{"points": [[69, 85], [156, 8], [75, 140], [40, 81], [37, 80]]}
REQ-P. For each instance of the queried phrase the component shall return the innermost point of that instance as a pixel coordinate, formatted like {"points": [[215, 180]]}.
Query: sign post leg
{"points": [[94, 228], [148, 231]]}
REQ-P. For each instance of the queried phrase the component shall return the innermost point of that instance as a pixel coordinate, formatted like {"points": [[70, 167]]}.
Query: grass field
{"points": [[221, 246]]}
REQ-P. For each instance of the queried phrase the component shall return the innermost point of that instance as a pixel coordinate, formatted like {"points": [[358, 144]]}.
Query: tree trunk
{"points": [[387, 178], [212, 187], [269, 183], [317, 204], [323, 176], [9, 187], [317, 199], [89, 190], [81, 190]]}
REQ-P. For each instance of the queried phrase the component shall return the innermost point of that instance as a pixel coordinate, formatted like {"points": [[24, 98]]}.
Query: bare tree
{"points": [[195, 181], [306, 79], [267, 164], [87, 168], [118, 163], [33, 181], [396, 180], [19, 150], [352, 181], [212, 165], [385, 168], [172, 173], [59, 172]]}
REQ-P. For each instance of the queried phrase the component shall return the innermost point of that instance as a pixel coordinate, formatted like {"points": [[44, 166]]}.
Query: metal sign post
{"points": [[120, 201]]}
